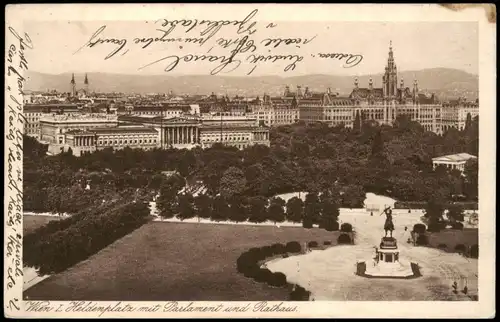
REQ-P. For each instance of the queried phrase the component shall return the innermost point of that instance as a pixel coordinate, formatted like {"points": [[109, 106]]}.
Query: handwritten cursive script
{"points": [[17, 65], [250, 46]]}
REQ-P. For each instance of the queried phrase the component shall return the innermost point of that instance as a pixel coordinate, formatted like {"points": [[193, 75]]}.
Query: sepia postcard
{"points": [[249, 160]]}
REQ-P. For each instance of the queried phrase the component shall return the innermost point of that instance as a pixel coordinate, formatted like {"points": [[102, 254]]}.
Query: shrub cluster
{"points": [[419, 228], [344, 239], [312, 244], [248, 264], [422, 240], [299, 294], [474, 251], [346, 228]]}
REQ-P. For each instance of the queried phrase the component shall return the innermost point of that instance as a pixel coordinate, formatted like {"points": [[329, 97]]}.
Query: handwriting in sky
{"points": [[243, 49]]}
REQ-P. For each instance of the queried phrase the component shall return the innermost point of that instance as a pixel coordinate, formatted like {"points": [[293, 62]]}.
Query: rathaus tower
{"points": [[390, 79]]}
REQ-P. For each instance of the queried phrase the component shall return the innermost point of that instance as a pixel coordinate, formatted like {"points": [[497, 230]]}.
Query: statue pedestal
{"points": [[387, 262]]}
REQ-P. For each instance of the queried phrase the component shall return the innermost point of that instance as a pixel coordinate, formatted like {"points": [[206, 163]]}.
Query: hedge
{"points": [[468, 205], [422, 240], [293, 247], [344, 239], [56, 247], [460, 248], [474, 251], [419, 228]]}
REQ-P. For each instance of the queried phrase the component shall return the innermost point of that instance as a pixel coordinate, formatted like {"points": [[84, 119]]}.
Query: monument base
{"points": [[396, 269], [387, 262]]}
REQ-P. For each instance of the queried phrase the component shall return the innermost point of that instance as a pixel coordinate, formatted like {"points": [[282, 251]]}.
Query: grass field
{"points": [[174, 261], [31, 223]]}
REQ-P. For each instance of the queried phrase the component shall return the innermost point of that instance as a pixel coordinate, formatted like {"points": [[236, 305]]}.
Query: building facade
{"points": [[120, 137], [453, 161], [204, 130], [53, 127]]}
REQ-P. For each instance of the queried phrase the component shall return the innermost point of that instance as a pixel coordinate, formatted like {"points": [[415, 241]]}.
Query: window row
{"points": [[106, 142]]}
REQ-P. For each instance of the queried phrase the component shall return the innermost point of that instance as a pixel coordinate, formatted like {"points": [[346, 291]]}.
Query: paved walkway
{"points": [[330, 274]]}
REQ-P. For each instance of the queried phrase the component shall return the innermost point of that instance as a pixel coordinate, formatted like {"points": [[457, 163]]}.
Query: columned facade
{"points": [[176, 134]]}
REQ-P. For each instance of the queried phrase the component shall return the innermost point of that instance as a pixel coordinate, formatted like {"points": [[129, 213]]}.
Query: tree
{"points": [[233, 182], [238, 209], [434, 213], [353, 197], [377, 145], [471, 180], [276, 210], [329, 212], [357, 122], [167, 201], [312, 208], [455, 213], [294, 209], [468, 122], [257, 209], [203, 206], [186, 207], [221, 210]]}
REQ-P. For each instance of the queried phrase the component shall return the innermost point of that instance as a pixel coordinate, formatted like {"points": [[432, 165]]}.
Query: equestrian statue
{"points": [[389, 225]]}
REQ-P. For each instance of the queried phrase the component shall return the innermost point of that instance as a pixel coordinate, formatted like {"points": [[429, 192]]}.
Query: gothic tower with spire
{"points": [[86, 85], [73, 86], [390, 79]]}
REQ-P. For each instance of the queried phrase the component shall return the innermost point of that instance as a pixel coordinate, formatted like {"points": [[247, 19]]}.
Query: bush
{"points": [[442, 246], [460, 248], [278, 249], [346, 227], [307, 223], [331, 226], [344, 239], [263, 275], [293, 247], [435, 227], [277, 279], [327, 243], [266, 251], [457, 225], [251, 270], [422, 240], [312, 244], [419, 228], [474, 251], [299, 294]]}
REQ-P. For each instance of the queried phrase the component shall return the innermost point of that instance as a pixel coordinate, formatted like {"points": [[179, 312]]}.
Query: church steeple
{"points": [[73, 86], [390, 78], [86, 84]]}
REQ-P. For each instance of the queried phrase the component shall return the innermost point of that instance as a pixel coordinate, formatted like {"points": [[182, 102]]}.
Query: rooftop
{"points": [[459, 157]]}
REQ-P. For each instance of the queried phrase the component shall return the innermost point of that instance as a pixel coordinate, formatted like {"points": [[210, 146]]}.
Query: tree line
{"points": [[391, 160], [320, 209], [61, 244]]}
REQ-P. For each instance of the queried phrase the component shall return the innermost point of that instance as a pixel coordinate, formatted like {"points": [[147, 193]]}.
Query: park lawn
{"points": [[174, 261], [451, 238], [30, 222]]}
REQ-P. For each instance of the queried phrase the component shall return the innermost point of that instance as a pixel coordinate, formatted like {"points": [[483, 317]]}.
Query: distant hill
{"points": [[442, 81]]}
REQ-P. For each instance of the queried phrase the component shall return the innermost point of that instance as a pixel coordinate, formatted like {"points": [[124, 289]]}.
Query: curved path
{"points": [[330, 274]]}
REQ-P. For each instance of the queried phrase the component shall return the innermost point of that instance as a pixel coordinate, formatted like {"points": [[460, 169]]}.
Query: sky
{"points": [[416, 45]]}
